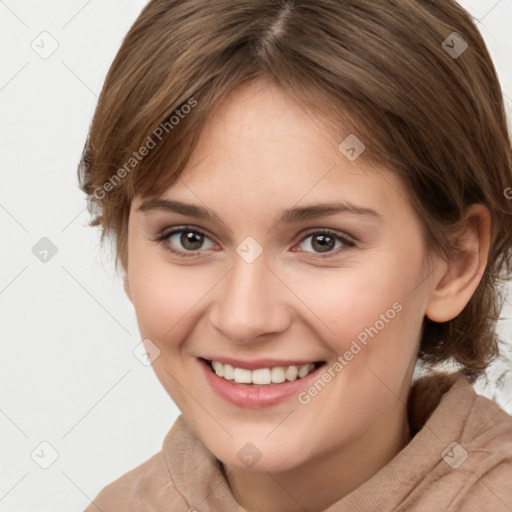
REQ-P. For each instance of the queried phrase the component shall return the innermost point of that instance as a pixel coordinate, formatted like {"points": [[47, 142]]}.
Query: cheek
{"points": [[168, 299], [167, 302], [371, 306]]}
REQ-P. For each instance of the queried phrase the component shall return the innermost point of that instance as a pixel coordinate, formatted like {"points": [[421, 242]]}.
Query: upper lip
{"points": [[254, 364]]}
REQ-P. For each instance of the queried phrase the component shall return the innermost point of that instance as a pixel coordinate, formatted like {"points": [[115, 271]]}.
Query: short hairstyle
{"points": [[412, 79]]}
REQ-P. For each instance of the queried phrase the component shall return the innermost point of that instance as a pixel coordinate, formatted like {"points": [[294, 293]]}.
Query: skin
{"points": [[262, 153]]}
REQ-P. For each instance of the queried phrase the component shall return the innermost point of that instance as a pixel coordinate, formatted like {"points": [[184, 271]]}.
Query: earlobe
{"points": [[454, 288]]}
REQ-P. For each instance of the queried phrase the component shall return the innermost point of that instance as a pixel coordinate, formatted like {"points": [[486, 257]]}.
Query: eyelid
{"points": [[333, 232], [167, 232]]}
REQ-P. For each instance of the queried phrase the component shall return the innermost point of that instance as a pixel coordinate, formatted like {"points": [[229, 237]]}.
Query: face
{"points": [[305, 258]]}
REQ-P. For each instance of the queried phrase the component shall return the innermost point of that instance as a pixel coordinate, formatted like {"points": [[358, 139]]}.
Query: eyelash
{"points": [[164, 236]]}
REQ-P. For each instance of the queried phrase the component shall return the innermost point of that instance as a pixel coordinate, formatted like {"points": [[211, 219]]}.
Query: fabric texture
{"points": [[459, 459]]}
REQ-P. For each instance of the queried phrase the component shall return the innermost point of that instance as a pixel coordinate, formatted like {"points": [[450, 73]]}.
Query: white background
{"points": [[69, 376]]}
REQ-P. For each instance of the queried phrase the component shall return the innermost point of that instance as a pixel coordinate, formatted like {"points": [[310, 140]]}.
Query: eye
{"points": [[185, 241], [189, 242], [326, 241]]}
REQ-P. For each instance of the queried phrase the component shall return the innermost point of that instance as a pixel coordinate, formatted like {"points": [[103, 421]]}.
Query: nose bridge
{"points": [[249, 303]]}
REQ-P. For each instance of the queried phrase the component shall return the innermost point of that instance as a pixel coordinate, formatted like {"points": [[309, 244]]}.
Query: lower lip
{"points": [[251, 396]]}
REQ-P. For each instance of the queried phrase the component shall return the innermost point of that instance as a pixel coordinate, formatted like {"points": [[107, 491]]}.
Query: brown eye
{"points": [[186, 242], [191, 241], [324, 241]]}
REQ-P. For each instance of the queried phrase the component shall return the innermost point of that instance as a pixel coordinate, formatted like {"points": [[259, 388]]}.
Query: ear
{"points": [[127, 286], [460, 275]]}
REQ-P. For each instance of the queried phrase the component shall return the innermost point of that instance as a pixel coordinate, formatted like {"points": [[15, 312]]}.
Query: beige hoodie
{"points": [[459, 459]]}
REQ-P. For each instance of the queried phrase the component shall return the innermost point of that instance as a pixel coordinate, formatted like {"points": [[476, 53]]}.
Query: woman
{"points": [[308, 199]]}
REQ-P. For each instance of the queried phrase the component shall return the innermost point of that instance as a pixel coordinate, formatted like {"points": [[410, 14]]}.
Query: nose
{"points": [[250, 302]]}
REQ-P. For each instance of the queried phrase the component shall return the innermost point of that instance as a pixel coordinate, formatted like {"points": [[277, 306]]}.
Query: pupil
{"points": [[326, 242], [191, 241]]}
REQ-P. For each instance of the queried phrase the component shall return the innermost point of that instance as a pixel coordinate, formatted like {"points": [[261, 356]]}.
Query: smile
{"points": [[262, 376], [258, 384]]}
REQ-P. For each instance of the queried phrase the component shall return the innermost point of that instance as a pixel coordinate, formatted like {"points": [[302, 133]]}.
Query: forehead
{"points": [[261, 149]]}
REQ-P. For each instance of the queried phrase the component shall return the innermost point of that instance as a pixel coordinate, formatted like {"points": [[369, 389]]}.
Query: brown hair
{"points": [[381, 70]]}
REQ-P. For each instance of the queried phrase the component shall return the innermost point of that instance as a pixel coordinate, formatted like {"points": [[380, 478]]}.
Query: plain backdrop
{"points": [[73, 395]]}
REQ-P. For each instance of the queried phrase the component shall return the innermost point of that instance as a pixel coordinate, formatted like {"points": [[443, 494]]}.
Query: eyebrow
{"points": [[288, 216]]}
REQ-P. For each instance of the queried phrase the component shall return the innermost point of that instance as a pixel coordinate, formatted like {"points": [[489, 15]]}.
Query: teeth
{"points": [[291, 373], [229, 371], [242, 375], [218, 368], [262, 376], [277, 374], [304, 370]]}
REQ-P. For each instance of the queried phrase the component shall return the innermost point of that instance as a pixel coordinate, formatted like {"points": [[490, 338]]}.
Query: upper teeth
{"points": [[274, 375]]}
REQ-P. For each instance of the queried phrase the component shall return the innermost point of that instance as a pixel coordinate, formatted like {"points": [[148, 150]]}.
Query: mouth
{"points": [[262, 376], [258, 384]]}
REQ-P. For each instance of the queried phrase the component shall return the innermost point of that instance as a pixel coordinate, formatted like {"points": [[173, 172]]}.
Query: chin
{"points": [[254, 456]]}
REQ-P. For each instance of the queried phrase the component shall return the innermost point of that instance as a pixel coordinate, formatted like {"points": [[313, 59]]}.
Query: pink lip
{"points": [[260, 363], [250, 396]]}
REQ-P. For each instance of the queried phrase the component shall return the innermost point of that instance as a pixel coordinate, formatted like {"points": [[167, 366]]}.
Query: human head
{"points": [[380, 72]]}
